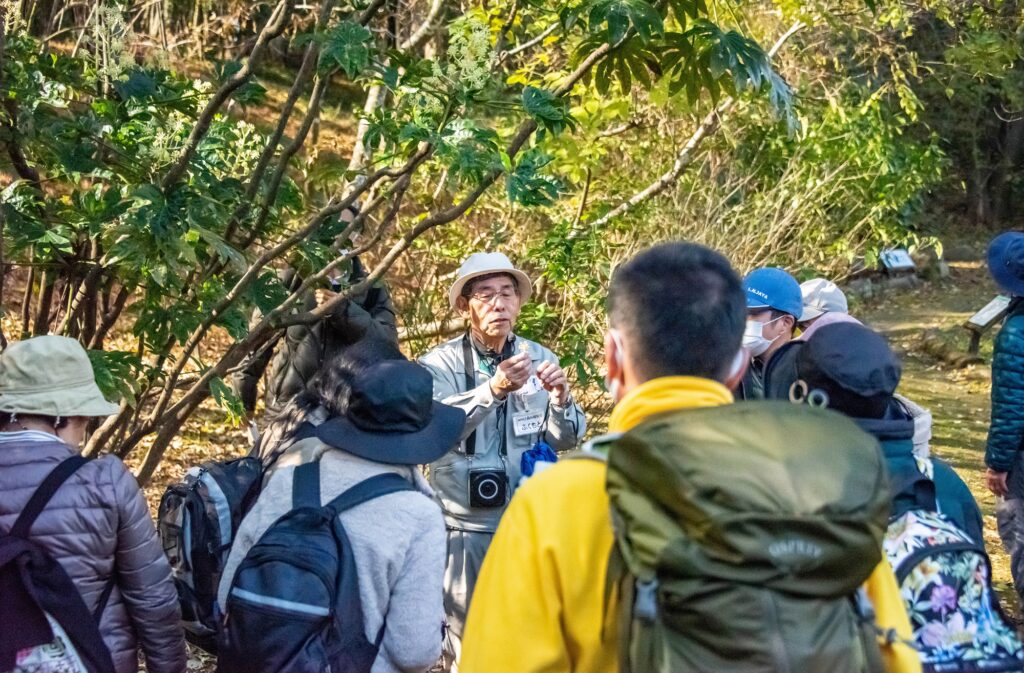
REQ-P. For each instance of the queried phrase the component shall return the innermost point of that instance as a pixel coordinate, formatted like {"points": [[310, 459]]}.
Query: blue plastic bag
{"points": [[539, 453]]}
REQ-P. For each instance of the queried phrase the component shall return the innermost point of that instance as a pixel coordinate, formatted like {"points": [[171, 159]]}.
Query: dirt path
{"points": [[958, 399]]}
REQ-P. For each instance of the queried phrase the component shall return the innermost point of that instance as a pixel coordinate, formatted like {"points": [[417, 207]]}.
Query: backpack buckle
{"points": [[645, 604]]}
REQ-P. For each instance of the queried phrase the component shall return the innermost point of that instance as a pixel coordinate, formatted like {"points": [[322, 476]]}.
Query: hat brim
{"points": [[83, 399], [756, 303], [398, 448], [998, 251], [523, 282], [811, 312]]}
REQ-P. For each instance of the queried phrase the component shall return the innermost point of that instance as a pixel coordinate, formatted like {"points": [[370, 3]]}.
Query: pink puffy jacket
{"points": [[98, 525]]}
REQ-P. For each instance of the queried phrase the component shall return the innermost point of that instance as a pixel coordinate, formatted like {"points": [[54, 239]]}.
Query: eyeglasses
{"points": [[489, 298]]}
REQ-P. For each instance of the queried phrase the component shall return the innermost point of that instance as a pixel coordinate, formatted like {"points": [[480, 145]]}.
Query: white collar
{"points": [[28, 436]]}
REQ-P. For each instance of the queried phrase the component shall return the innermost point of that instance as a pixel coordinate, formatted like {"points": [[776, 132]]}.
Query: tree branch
{"points": [[529, 44], [170, 417], [275, 26], [306, 70], [684, 158], [243, 283]]}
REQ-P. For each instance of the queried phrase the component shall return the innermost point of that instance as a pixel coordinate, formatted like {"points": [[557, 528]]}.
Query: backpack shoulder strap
{"points": [[37, 503], [374, 487], [306, 485], [913, 485]]}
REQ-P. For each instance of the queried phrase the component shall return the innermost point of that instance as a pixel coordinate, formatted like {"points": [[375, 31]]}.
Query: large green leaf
{"points": [[550, 111], [615, 18], [345, 46]]}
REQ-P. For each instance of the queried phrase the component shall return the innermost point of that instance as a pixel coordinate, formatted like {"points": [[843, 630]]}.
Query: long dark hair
{"points": [[329, 390]]}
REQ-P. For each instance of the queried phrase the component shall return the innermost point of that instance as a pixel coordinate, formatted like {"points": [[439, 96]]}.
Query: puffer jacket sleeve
{"points": [[246, 381], [144, 579], [1007, 427], [371, 315]]}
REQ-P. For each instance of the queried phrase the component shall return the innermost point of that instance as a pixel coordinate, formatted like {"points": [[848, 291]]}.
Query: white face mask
{"points": [[754, 339]]}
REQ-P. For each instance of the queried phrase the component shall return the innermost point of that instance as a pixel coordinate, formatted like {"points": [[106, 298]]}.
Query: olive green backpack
{"points": [[744, 534]]}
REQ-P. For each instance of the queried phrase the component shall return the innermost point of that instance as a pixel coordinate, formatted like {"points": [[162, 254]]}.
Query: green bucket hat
{"points": [[50, 376]]}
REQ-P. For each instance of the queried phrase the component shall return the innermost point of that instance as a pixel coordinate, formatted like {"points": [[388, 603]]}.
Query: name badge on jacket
{"points": [[527, 422]]}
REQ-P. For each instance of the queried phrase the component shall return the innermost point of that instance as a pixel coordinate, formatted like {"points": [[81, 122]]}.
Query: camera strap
{"points": [[470, 371]]}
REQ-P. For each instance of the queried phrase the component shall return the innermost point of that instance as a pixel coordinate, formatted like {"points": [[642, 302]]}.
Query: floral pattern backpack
{"points": [[945, 582]]}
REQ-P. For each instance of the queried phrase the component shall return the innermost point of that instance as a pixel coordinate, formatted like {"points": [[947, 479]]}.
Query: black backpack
{"points": [[294, 602], [197, 521], [35, 589]]}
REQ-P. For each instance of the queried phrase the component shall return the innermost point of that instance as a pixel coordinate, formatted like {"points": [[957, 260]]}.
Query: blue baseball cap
{"points": [[769, 287]]}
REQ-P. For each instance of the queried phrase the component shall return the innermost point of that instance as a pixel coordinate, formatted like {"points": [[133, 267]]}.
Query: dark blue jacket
{"points": [[952, 497], [1006, 430]]}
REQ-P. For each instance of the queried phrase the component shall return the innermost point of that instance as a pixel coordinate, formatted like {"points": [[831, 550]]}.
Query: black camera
{"points": [[488, 487]]}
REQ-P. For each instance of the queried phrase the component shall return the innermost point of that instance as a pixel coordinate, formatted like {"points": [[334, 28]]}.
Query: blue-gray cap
{"points": [[769, 287]]}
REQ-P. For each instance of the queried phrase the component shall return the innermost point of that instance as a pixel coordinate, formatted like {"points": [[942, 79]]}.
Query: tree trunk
{"points": [[1009, 158], [41, 323]]}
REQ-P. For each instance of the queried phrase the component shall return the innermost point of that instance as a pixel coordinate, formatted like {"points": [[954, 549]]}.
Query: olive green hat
{"points": [[50, 376]]}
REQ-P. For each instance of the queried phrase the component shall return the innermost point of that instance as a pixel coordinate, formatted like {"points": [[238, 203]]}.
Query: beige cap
{"points": [[821, 296], [50, 376], [485, 263]]}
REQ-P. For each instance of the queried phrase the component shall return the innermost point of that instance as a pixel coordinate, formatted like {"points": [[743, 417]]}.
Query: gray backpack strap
{"points": [[595, 449]]}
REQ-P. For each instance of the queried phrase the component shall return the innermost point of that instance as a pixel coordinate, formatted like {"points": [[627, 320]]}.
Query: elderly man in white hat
{"points": [[516, 398]]}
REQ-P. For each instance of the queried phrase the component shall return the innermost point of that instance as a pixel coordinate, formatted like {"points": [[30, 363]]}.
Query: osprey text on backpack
{"points": [[44, 623], [744, 534], [294, 603], [945, 582]]}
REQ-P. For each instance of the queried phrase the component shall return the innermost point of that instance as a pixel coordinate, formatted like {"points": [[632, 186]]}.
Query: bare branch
{"points": [[87, 286], [286, 155], [422, 33], [583, 200], [109, 318], [243, 283], [529, 44], [684, 158]]}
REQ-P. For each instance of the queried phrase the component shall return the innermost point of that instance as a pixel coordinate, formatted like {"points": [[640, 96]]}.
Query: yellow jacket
{"points": [[538, 603]]}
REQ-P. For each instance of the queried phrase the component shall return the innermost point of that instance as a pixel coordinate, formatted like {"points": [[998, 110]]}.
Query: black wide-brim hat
{"points": [[392, 417], [1006, 261]]}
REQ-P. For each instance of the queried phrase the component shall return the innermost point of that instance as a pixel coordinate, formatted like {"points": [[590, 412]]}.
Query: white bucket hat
{"points": [[822, 296], [484, 263], [50, 376]]}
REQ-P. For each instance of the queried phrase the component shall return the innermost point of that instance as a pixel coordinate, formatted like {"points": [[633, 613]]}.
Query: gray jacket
{"points": [[398, 542], [97, 526], [490, 419]]}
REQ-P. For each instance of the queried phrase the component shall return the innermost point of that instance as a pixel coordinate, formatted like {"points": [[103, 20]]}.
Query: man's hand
{"points": [[553, 378], [511, 375], [323, 296], [996, 482]]}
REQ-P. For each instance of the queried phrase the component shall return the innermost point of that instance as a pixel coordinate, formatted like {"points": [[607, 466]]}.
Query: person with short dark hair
{"points": [[774, 304], [518, 406], [673, 349]]}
